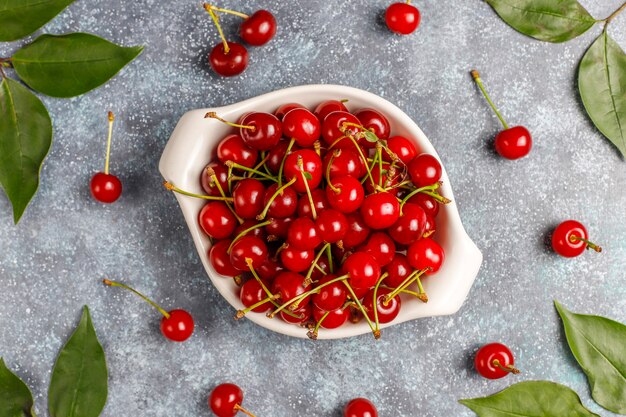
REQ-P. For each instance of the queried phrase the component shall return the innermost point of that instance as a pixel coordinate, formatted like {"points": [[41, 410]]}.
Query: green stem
{"points": [[307, 279], [232, 164], [479, 82], [109, 136], [213, 176], [244, 232], [146, 299], [282, 163], [278, 192], [241, 313], [313, 333], [358, 303], [216, 20], [329, 255], [172, 187], [375, 303], [614, 14]]}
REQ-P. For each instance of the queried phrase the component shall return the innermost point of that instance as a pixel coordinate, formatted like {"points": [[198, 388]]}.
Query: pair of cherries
{"points": [[225, 401], [231, 58]]}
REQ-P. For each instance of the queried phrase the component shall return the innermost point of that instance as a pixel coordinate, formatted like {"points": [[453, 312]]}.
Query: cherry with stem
{"points": [[105, 187]]}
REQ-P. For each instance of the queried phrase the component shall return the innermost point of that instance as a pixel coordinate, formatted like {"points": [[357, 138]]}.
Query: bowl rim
{"points": [[184, 144]]}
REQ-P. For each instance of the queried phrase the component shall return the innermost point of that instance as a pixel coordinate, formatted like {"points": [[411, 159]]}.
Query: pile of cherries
{"points": [[322, 217]]}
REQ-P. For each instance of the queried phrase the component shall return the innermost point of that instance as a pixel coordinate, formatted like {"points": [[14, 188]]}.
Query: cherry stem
{"points": [[313, 333], [172, 187], [294, 303], [379, 154], [375, 303], [213, 115], [211, 173], [590, 245], [243, 410], [360, 306], [479, 82], [228, 11], [232, 164], [415, 275], [509, 368], [244, 232], [278, 192], [282, 163], [307, 280], [358, 148], [110, 135], [272, 297], [329, 255], [241, 313], [216, 20], [614, 14], [306, 186], [146, 299], [417, 191], [335, 153]]}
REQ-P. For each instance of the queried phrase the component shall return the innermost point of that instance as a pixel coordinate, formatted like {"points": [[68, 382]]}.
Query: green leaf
{"points": [[602, 86], [70, 65], [19, 18], [25, 138], [599, 346], [530, 399], [370, 136], [307, 175], [78, 387], [15, 397], [546, 20]]}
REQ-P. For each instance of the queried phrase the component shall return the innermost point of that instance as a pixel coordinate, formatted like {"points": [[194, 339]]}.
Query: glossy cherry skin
{"points": [[105, 188], [334, 319], [426, 202], [514, 143], [564, 240], [332, 126], [290, 285], [424, 170], [484, 360], [381, 247], [296, 260], [312, 164], [380, 210], [319, 201], [397, 270], [224, 398], [248, 198], [386, 312], [178, 327], [357, 230], [269, 270], [266, 133], [208, 185], [374, 121], [247, 224], [303, 234], [402, 18], [258, 29], [327, 107], [350, 196], [216, 220], [331, 296], [430, 226], [410, 225], [229, 64], [344, 162], [285, 108], [278, 227], [332, 225], [389, 178], [360, 407], [426, 253], [276, 154], [402, 147], [303, 126], [304, 313], [220, 259], [363, 270], [252, 292], [233, 148], [284, 205], [248, 248]]}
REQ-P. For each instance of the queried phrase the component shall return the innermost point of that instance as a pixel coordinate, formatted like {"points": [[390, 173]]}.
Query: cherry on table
{"points": [[258, 29], [360, 407], [402, 18], [228, 59], [570, 239], [226, 399], [105, 187], [494, 361], [176, 325]]}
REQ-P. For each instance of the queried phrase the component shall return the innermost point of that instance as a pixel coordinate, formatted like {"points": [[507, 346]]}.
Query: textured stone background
{"points": [[52, 262]]}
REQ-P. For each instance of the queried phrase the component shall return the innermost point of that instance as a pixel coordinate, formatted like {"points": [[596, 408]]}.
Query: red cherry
{"points": [[248, 197], [284, 109], [426, 253], [311, 163], [233, 148], [381, 247], [217, 220], [323, 265], [429, 226], [258, 29], [251, 293], [494, 361], [178, 327], [402, 147], [397, 270], [208, 185], [346, 194], [255, 231], [332, 225], [426, 202], [360, 407], [284, 204], [357, 230], [301, 125], [334, 319], [570, 239], [326, 107], [410, 225], [276, 155], [225, 400], [296, 260], [387, 310], [231, 63], [374, 121], [303, 314], [278, 227], [261, 131], [388, 178], [248, 248], [345, 162], [380, 210], [303, 234], [290, 285], [402, 18], [220, 259], [332, 128], [425, 170], [106, 188], [331, 296], [514, 142], [362, 269], [269, 270], [319, 201]]}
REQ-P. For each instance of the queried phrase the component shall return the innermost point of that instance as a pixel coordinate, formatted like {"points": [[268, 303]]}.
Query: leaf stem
{"points": [[614, 14], [108, 154], [479, 82]]}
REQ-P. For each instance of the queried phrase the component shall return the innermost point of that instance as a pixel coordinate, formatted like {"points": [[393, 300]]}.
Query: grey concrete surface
{"points": [[52, 262]]}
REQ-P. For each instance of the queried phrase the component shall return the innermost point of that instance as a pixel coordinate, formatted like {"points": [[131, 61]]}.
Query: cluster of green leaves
{"points": [[79, 380], [57, 66], [602, 70], [599, 346]]}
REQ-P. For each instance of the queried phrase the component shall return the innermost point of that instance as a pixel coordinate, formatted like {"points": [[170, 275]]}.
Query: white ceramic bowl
{"points": [[194, 140]]}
